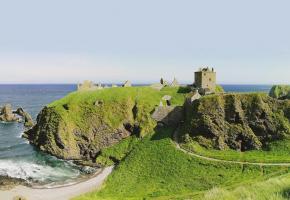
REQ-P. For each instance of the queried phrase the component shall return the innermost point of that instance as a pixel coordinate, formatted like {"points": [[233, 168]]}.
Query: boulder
{"points": [[28, 121], [7, 183], [7, 115]]}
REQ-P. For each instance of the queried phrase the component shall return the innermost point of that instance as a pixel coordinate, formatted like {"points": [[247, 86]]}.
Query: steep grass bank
{"points": [[155, 169]]}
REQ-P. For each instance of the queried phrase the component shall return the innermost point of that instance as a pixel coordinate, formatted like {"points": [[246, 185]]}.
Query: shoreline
{"points": [[64, 192]]}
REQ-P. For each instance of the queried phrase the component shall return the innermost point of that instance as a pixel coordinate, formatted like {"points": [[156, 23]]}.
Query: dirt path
{"points": [[57, 193], [175, 140]]}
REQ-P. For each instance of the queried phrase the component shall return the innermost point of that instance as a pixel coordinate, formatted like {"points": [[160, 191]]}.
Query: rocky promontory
{"points": [[83, 123], [237, 121]]}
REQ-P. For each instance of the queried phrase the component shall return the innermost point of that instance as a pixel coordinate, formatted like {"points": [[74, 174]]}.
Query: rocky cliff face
{"points": [[81, 124], [237, 121], [68, 140]]}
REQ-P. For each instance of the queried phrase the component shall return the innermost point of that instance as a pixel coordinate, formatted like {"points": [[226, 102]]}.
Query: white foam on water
{"points": [[20, 135], [31, 171]]}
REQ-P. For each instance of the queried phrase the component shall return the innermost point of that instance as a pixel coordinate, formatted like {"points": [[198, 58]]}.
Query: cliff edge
{"points": [[80, 125], [236, 121]]}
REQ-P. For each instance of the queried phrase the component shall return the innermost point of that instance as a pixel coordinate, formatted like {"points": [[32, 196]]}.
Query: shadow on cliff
{"points": [[167, 125]]}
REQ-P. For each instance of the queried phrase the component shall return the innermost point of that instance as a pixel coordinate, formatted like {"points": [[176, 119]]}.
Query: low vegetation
{"points": [[280, 92], [156, 169], [277, 188]]}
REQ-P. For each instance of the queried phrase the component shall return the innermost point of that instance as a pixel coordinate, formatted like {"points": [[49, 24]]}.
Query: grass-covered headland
{"points": [[115, 126]]}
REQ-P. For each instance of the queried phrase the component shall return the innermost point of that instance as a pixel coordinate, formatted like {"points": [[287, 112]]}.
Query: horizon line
{"points": [[140, 83]]}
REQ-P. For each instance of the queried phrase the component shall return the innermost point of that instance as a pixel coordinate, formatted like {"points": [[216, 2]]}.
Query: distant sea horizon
{"points": [[227, 87]]}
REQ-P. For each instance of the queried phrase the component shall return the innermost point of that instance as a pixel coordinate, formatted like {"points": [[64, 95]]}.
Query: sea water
{"points": [[19, 159]]}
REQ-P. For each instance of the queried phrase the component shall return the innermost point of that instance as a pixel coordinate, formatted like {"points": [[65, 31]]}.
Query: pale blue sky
{"points": [[67, 41]]}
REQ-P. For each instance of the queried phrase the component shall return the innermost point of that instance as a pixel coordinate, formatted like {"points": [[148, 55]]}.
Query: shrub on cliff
{"points": [[280, 92]]}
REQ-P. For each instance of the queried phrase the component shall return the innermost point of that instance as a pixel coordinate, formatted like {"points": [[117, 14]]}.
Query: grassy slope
{"points": [[115, 101], [273, 189], [278, 151], [156, 169]]}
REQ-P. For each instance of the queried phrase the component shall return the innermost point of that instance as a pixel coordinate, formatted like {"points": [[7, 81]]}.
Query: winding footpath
{"points": [[57, 193], [175, 140]]}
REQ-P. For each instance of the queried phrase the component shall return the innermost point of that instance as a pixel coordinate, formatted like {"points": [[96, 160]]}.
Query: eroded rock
{"points": [[237, 121], [7, 115], [28, 121]]}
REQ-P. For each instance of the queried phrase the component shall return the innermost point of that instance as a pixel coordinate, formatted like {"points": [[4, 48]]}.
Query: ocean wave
{"points": [[33, 172], [20, 135]]}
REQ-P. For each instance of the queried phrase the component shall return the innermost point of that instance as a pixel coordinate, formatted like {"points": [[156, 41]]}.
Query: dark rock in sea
{"points": [[6, 114], [8, 183], [28, 121]]}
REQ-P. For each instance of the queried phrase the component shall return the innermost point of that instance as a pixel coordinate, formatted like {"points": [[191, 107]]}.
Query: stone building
{"points": [[89, 85], [205, 79]]}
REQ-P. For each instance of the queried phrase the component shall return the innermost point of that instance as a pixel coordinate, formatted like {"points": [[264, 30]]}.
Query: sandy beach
{"points": [[57, 193]]}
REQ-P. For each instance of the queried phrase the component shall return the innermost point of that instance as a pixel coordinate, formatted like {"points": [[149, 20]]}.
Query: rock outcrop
{"points": [[7, 183], [28, 121], [168, 115], [7, 115], [237, 121], [53, 135]]}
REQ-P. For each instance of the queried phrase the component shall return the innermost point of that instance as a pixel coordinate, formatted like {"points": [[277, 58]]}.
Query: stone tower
{"points": [[205, 79]]}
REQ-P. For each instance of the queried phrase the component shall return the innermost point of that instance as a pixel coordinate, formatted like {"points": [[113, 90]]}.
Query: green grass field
{"points": [[116, 106], [277, 188], [155, 169], [276, 152]]}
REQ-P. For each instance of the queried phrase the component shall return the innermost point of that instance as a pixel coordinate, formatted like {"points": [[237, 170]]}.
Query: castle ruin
{"points": [[205, 80]]}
